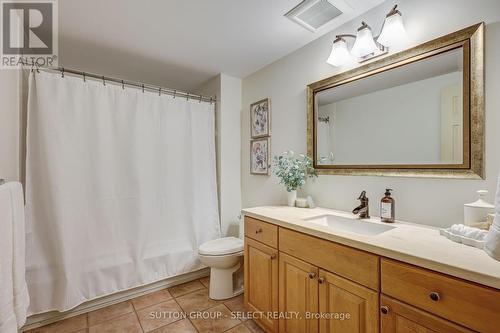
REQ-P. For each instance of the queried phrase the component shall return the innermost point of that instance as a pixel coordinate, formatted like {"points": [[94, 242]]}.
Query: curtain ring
{"points": [[175, 93], [187, 97], [200, 98], [103, 80], [62, 72], [159, 91], [143, 88], [211, 100], [84, 78], [123, 85]]}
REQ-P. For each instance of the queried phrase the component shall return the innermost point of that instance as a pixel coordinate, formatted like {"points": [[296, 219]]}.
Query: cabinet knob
{"points": [[273, 256], [384, 309], [312, 275], [258, 231], [434, 296], [321, 280]]}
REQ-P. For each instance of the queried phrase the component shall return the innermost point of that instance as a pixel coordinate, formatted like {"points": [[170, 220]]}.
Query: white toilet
{"points": [[224, 256]]}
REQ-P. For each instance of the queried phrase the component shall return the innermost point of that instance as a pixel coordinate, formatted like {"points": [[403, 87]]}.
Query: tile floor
{"points": [[136, 315]]}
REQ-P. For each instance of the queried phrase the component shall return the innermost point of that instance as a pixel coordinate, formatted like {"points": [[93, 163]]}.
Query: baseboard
{"points": [[43, 319]]}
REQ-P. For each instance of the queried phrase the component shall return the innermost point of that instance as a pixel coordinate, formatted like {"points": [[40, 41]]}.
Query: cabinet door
{"points": [[398, 317], [298, 295], [345, 306], [261, 282]]}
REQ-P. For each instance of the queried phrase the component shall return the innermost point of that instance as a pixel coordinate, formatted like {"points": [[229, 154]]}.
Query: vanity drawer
{"points": [[355, 265], [261, 231], [463, 302]]}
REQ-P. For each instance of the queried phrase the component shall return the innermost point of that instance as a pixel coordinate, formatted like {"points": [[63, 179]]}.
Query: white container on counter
{"points": [[301, 203], [478, 210]]}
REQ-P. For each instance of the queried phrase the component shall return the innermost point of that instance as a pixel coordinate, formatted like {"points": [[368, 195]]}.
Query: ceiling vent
{"points": [[313, 14]]}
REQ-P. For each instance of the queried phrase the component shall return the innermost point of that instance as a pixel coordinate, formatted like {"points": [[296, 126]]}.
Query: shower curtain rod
{"points": [[159, 89]]}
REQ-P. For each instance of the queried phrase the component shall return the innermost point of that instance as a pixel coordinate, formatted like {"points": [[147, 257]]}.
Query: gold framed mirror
{"points": [[416, 113]]}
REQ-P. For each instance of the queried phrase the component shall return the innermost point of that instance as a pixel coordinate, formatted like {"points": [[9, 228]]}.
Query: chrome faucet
{"points": [[363, 209]]}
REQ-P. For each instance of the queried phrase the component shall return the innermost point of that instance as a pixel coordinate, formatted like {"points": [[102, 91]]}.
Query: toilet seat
{"points": [[224, 256], [221, 246]]}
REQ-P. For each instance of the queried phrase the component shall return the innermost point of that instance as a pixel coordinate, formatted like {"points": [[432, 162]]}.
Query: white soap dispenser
{"points": [[478, 210]]}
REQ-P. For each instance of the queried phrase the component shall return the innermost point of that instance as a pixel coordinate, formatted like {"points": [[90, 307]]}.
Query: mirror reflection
{"points": [[409, 115]]}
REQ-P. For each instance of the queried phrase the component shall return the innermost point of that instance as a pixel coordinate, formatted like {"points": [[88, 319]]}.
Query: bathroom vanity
{"points": [[318, 270]]}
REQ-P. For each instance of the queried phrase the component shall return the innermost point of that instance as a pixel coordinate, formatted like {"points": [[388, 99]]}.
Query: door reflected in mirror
{"points": [[408, 115]]}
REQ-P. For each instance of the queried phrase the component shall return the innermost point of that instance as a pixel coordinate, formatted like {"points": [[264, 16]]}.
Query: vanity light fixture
{"points": [[366, 46], [340, 54], [393, 29]]}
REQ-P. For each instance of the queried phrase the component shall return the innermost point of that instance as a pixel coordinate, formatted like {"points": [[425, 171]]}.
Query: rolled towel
{"points": [[469, 232], [492, 241]]}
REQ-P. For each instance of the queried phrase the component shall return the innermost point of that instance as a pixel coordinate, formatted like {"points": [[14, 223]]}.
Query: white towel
{"points": [[14, 299], [469, 232], [492, 241]]}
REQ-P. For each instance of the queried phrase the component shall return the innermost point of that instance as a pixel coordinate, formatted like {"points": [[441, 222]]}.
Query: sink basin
{"points": [[341, 223]]}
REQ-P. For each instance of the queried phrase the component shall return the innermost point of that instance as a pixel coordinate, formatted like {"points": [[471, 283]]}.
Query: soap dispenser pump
{"points": [[387, 207]]}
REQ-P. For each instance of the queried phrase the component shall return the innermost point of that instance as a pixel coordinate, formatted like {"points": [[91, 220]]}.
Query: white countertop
{"points": [[411, 243]]}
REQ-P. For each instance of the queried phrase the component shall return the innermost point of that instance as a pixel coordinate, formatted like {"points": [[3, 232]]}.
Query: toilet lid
{"points": [[226, 245]]}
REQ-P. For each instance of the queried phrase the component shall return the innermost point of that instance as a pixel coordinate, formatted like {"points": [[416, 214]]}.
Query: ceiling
{"points": [[182, 43]]}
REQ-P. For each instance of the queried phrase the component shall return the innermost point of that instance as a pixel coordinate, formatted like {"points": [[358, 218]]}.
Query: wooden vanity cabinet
{"points": [[261, 282], [303, 289], [355, 306], [355, 265], [398, 317], [262, 232], [298, 295], [292, 272], [320, 301], [462, 302], [343, 277]]}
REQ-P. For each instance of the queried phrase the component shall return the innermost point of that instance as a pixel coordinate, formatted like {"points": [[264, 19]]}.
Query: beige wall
{"points": [[428, 201], [228, 111], [230, 153]]}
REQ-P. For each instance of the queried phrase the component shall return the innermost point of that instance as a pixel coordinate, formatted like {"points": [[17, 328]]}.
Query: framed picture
{"points": [[260, 152], [260, 118]]}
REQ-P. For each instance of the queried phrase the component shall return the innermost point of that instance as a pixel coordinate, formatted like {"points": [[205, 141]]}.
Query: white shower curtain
{"points": [[120, 190]]}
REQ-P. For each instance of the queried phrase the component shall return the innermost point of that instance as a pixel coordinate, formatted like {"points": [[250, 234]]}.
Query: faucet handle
{"points": [[362, 196]]}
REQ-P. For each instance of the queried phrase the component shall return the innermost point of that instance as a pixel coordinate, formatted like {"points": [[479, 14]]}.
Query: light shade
{"points": [[393, 30], [364, 43], [340, 54]]}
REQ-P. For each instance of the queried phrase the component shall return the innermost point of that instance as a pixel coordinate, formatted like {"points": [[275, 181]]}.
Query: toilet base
{"points": [[221, 283]]}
